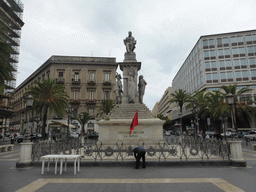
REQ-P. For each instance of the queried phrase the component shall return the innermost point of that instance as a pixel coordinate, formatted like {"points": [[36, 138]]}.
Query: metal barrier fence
{"points": [[181, 148]]}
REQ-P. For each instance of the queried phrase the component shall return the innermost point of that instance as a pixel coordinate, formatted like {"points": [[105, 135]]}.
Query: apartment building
{"points": [[11, 12], [216, 60], [88, 81], [163, 106]]}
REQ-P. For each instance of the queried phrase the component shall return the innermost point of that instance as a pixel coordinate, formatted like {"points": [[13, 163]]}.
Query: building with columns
{"points": [[88, 81]]}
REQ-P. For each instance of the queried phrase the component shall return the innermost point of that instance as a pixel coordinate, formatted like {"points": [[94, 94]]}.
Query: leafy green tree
{"points": [[83, 120], [106, 106], [5, 66], [48, 96], [166, 119]]}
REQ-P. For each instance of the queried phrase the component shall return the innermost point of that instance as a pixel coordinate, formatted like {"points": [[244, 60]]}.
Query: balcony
{"points": [[106, 83], [90, 101], [76, 81], [60, 81], [91, 83], [75, 101]]}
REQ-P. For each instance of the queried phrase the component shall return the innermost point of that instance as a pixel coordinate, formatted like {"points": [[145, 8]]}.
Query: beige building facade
{"points": [[163, 106], [88, 81]]}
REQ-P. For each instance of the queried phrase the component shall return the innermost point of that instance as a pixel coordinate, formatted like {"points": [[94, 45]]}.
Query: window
{"points": [[226, 76], [252, 62], [250, 51], [241, 75], [91, 95], [233, 40], [211, 66], [219, 42], [76, 95], [212, 78], [225, 41], [240, 40], [240, 63], [107, 75], [92, 75], [60, 76], [211, 43], [76, 76], [222, 52], [205, 43], [248, 38], [106, 95], [253, 74], [238, 52], [225, 65], [91, 112]]}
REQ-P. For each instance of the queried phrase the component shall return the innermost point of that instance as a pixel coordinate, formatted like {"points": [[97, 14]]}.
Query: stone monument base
{"points": [[150, 131], [130, 57]]}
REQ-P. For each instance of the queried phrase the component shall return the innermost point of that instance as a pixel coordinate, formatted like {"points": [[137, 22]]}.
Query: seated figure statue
{"points": [[130, 43]]}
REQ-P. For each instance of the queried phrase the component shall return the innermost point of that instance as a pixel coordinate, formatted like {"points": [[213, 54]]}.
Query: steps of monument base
{"points": [[127, 111]]}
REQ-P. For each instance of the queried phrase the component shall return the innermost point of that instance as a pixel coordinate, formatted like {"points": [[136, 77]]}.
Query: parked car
{"points": [[210, 133], [229, 134], [35, 136], [19, 137], [251, 135], [74, 135], [7, 134]]}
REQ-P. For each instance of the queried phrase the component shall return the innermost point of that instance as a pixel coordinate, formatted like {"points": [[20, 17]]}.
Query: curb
{"points": [[153, 164]]}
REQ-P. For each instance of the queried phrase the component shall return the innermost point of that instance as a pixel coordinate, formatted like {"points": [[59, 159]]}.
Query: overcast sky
{"points": [[165, 30]]}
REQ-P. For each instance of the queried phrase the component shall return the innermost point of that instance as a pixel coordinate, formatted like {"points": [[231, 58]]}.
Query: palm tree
{"points": [[83, 119], [198, 102], [216, 108], [5, 66], [240, 110], [48, 96], [106, 106], [180, 97]]}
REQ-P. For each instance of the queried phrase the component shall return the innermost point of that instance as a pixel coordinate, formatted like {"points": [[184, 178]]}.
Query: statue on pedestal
{"points": [[131, 85], [129, 42], [142, 85], [118, 89]]}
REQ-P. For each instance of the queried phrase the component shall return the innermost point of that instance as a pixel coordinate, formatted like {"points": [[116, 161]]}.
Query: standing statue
{"points": [[131, 85], [130, 43], [118, 89], [142, 85]]}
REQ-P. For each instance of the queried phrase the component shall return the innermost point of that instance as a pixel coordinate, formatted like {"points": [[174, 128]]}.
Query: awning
{"points": [[63, 123]]}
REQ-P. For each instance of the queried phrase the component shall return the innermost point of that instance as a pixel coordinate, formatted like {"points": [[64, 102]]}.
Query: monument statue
{"points": [[131, 85], [142, 85], [129, 42], [118, 89]]}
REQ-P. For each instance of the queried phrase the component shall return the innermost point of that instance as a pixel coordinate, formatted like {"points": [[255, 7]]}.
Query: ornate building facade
{"points": [[88, 81]]}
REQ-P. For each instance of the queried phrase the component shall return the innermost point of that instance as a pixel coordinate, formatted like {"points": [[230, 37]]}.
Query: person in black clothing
{"points": [[139, 152]]}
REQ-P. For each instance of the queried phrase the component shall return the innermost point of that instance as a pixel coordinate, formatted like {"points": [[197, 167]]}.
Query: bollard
{"points": [[25, 155], [247, 141], [236, 155]]}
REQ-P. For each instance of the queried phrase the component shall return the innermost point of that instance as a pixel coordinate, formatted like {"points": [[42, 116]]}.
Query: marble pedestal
{"points": [[150, 131]]}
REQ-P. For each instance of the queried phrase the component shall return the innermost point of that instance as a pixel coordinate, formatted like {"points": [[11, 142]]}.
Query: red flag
{"points": [[134, 122]]}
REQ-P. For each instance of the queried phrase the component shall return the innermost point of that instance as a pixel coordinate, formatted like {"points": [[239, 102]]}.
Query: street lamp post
{"points": [[29, 102], [230, 101], [69, 111]]}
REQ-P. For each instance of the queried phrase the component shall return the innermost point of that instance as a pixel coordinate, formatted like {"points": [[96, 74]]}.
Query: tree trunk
{"points": [[44, 125]]}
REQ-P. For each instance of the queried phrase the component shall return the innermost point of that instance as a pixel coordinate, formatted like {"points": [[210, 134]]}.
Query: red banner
{"points": [[134, 122]]}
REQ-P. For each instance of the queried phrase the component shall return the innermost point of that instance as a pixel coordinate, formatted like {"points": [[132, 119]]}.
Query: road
{"points": [[110, 178]]}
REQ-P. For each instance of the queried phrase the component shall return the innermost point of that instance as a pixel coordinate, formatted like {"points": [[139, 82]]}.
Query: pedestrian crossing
{"points": [[10, 155]]}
